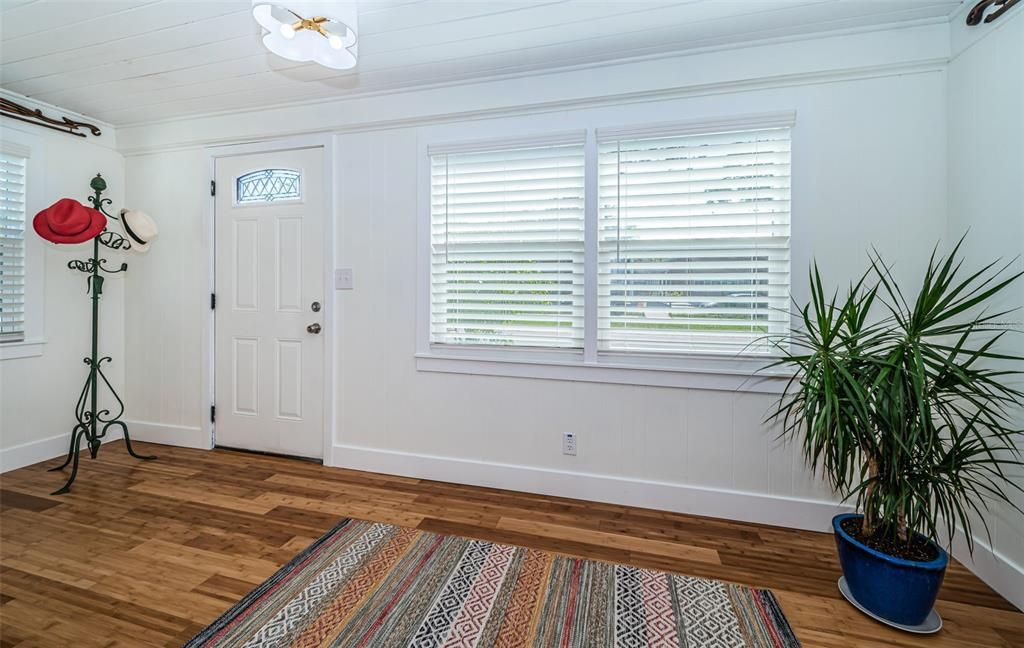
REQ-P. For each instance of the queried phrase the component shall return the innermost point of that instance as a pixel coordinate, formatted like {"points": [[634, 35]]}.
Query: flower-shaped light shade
{"points": [[324, 32]]}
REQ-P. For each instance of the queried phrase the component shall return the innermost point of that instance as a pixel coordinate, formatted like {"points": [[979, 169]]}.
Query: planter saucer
{"points": [[931, 625]]}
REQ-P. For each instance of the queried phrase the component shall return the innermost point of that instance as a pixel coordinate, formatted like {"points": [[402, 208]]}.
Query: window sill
{"points": [[24, 349], [688, 372]]}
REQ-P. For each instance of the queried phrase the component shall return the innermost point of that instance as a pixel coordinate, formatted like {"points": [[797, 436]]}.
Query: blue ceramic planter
{"points": [[901, 591]]}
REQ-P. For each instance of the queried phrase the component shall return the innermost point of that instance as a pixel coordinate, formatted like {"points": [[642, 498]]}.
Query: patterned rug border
{"points": [[776, 624], [225, 621]]}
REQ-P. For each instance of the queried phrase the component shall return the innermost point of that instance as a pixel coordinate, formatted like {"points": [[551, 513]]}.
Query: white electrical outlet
{"points": [[569, 444]]}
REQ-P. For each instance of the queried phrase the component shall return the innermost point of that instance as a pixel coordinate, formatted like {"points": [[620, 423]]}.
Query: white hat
{"points": [[140, 228]]}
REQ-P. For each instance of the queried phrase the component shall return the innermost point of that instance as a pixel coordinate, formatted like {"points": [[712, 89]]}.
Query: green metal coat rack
{"points": [[92, 422]]}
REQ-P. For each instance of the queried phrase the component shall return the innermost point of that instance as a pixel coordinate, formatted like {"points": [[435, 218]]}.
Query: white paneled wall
{"points": [[170, 299], [38, 394], [869, 169], [986, 197], [868, 157]]}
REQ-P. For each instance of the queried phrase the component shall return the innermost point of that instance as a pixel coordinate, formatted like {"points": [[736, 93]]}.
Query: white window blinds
{"points": [[507, 250], [693, 240], [12, 247]]}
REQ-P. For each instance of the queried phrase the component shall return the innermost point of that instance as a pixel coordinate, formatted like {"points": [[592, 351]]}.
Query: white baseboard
{"points": [[815, 515], [998, 571], [33, 452], [174, 435]]}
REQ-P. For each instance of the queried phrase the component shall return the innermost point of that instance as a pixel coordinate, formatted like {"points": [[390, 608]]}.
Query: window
{"points": [[506, 246], [614, 250], [268, 185], [693, 241], [12, 247]]}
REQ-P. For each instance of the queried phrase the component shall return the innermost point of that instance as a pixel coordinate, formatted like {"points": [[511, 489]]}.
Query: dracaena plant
{"points": [[905, 404]]}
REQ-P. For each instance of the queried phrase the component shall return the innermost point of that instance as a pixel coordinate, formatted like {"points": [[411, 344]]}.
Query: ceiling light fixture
{"points": [[324, 32]]}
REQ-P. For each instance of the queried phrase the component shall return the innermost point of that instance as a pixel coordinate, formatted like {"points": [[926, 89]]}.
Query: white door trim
{"points": [[326, 142]]}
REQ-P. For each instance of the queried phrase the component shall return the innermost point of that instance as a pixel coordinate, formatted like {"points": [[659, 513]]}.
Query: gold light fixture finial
{"points": [[299, 39], [314, 24]]}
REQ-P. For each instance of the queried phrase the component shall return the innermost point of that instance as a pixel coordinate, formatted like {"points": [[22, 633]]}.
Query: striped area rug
{"points": [[370, 584]]}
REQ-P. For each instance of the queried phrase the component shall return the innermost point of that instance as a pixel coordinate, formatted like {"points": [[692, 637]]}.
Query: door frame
{"points": [[325, 141]]}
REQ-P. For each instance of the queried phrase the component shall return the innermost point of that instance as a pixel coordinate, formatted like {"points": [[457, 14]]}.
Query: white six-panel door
{"points": [[269, 213]]}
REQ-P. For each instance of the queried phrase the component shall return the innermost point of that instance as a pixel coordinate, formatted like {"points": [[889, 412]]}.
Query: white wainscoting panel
{"points": [[994, 567], [813, 515], [27, 454], [175, 435]]}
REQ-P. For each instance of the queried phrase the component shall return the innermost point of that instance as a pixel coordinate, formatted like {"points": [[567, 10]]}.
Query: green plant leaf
{"points": [[900, 402]]}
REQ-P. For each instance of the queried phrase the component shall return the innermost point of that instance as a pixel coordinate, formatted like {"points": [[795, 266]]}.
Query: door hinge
{"points": [[213, 187], [213, 301], [213, 413]]}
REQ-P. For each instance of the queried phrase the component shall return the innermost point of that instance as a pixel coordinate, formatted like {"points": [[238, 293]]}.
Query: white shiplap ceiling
{"points": [[133, 61]]}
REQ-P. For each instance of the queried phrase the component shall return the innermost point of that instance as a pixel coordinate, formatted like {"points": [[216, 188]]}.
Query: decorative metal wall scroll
{"points": [[67, 125], [978, 12], [92, 422]]}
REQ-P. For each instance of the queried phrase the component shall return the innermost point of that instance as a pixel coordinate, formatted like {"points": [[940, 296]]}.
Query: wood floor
{"points": [[148, 554]]}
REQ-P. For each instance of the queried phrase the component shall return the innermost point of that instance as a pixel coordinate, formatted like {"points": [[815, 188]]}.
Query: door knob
{"points": [[313, 328]]}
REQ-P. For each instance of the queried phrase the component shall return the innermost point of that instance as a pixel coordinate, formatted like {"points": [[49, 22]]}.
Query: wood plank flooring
{"points": [[147, 554]]}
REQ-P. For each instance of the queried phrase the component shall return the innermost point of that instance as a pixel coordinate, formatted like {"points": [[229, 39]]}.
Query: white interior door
{"points": [[270, 214]]}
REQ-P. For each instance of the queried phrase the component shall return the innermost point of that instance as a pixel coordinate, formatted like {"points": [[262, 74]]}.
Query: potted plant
{"points": [[905, 404]]}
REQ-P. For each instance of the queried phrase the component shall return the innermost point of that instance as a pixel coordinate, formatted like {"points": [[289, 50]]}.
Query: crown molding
{"points": [[933, 65], [717, 71], [586, 63]]}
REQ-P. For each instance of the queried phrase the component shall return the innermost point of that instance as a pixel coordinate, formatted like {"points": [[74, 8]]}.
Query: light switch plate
{"points": [[343, 279]]}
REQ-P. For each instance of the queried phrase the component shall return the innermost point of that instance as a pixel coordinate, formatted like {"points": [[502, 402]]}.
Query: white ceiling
{"points": [[132, 61]]}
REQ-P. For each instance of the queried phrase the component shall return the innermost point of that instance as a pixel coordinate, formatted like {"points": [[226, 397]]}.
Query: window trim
{"points": [[20, 143], [721, 374], [27, 348], [695, 370]]}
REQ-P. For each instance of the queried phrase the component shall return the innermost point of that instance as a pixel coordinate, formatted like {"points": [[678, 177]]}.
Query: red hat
{"points": [[69, 221]]}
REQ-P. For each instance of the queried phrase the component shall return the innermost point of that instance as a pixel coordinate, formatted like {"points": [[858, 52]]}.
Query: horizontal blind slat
{"points": [[12, 247], [693, 241], [507, 248]]}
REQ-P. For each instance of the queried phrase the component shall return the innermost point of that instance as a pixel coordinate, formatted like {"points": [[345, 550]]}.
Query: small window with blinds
{"points": [[693, 241], [506, 246], [12, 247]]}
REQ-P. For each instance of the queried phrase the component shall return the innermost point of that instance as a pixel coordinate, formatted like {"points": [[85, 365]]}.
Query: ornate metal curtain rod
{"points": [[978, 12], [14, 110]]}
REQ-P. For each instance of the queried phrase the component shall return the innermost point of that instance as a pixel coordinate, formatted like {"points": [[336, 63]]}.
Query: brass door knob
{"points": [[313, 328]]}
